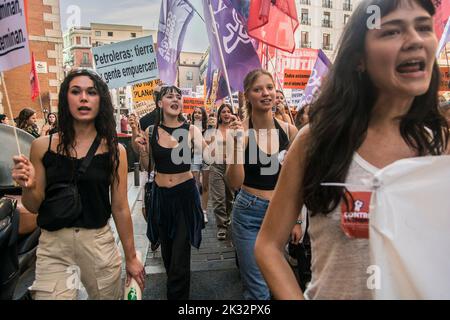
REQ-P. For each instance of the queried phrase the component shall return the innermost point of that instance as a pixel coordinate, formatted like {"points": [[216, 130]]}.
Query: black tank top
{"points": [[172, 160], [93, 185], [263, 175]]}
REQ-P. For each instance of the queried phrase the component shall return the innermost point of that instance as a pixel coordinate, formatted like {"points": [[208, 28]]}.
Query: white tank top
{"points": [[339, 264]]}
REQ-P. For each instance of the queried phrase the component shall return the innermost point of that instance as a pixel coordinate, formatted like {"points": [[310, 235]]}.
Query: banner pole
{"points": [[216, 33], [11, 113]]}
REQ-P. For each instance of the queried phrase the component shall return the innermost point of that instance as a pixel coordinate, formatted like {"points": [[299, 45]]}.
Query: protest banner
{"points": [[300, 59], [126, 63], [144, 91], [14, 45], [190, 103], [296, 79], [141, 108]]}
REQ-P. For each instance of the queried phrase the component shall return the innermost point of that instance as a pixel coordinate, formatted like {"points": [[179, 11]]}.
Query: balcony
{"points": [[305, 2], [347, 6], [305, 21], [305, 45], [327, 4], [327, 23], [327, 46]]}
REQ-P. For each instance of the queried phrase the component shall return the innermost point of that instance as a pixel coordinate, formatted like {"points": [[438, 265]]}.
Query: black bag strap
{"points": [[87, 160]]}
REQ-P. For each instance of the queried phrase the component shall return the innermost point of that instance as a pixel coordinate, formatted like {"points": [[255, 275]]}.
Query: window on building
{"points": [[305, 17], [348, 5], [98, 33], [327, 20], [305, 40], [189, 75], [85, 59], [133, 34], [78, 40], [346, 17], [327, 4], [85, 41], [326, 44], [110, 34]]}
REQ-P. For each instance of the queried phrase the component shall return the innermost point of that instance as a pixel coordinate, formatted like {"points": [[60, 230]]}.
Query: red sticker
{"points": [[355, 220]]}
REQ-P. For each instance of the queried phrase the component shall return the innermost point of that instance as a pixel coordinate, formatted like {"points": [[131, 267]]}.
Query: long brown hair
{"points": [[340, 118]]}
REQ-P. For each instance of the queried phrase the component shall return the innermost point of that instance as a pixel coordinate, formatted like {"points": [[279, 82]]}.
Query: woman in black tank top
{"points": [[85, 114], [266, 141], [174, 212]]}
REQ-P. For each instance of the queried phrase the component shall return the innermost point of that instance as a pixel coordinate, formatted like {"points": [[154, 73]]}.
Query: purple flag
{"points": [[314, 84], [174, 18], [237, 48]]}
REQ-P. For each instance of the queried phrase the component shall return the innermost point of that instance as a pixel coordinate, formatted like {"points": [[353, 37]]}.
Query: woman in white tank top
{"points": [[378, 105]]}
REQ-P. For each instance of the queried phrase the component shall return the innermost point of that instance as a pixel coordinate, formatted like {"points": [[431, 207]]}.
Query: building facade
{"points": [[46, 42], [189, 75], [322, 23]]}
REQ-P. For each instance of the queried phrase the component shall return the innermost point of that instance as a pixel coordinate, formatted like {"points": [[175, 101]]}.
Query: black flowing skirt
{"points": [[165, 206]]}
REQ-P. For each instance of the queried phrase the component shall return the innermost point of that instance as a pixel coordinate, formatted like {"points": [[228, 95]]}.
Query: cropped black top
{"points": [[172, 160], [261, 169], [93, 185]]}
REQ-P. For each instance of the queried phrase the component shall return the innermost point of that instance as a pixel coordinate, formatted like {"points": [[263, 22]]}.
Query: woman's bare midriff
{"points": [[263, 194], [171, 180]]}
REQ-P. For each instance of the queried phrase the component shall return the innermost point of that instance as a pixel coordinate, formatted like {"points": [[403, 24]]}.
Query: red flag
{"points": [[34, 80], [274, 22], [441, 16]]}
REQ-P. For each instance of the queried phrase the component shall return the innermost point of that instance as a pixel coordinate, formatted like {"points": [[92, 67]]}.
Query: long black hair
{"points": [[160, 114], [340, 117], [105, 123], [219, 118], [204, 117], [55, 124]]}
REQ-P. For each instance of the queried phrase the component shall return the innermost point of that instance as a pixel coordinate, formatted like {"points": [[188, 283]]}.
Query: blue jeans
{"points": [[248, 215]]}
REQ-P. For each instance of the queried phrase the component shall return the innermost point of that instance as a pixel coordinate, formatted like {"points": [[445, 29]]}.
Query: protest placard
{"points": [[190, 103], [14, 45], [126, 63], [144, 91], [296, 79]]}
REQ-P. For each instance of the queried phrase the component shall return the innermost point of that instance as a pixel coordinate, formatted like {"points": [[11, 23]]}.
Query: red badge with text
{"points": [[355, 214]]}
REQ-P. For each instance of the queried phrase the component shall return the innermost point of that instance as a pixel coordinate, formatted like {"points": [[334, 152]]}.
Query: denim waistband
{"points": [[251, 197]]}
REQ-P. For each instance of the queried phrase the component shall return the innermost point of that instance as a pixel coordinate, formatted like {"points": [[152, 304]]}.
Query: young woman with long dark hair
{"points": [[84, 247], [266, 142], [175, 216], [378, 105], [200, 120], [220, 195], [27, 121], [51, 126]]}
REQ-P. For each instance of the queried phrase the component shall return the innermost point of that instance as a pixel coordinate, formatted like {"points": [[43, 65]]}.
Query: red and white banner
{"points": [[300, 59], [14, 45]]}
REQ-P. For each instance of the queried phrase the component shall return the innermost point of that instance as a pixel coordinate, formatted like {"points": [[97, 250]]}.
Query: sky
{"points": [[133, 12]]}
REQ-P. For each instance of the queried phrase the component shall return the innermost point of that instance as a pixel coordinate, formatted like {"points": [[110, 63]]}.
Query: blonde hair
{"points": [[249, 80]]}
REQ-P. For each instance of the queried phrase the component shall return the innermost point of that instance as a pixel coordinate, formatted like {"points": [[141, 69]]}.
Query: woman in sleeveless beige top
{"points": [[378, 105]]}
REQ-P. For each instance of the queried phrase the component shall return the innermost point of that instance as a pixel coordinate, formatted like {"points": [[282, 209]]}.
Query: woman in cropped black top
{"points": [[265, 144], [175, 216], [84, 247]]}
